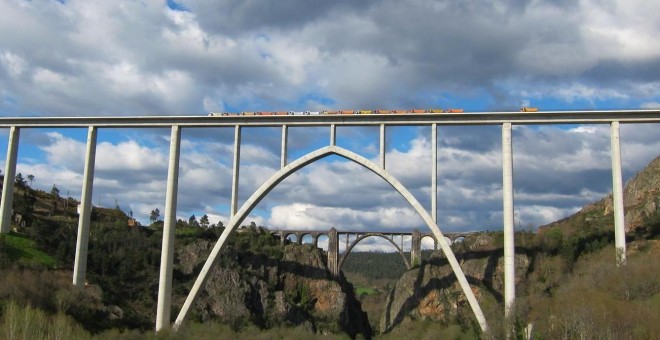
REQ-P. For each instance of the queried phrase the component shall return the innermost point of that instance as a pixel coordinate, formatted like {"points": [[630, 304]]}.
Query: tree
{"points": [[20, 181], [55, 191], [155, 215], [192, 221], [204, 221], [30, 178]]}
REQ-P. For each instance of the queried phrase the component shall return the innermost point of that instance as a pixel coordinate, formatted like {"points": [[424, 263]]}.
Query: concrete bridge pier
{"points": [[8, 184], [416, 248], [507, 210], [333, 252], [167, 254], [617, 196], [82, 241]]}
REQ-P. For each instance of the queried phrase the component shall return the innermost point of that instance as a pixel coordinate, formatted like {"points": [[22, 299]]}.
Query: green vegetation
{"points": [[22, 250], [359, 291], [571, 289]]}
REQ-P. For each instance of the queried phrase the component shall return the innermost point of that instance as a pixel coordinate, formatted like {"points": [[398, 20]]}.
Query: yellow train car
{"points": [[529, 109]]}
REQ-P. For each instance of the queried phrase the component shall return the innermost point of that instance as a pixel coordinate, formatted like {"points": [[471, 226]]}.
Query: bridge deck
{"points": [[476, 118]]}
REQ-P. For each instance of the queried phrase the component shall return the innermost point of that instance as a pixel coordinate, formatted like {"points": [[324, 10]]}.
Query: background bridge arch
{"points": [[364, 236]]}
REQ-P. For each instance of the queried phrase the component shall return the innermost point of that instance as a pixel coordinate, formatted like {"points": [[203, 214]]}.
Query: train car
{"points": [[281, 113], [529, 109], [454, 110], [296, 113], [382, 112], [364, 112], [398, 112], [247, 113], [312, 112], [216, 114], [435, 111], [328, 112], [265, 113], [345, 112], [417, 111]]}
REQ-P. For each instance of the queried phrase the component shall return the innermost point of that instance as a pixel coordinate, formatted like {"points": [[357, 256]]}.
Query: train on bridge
{"points": [[347, 112]]}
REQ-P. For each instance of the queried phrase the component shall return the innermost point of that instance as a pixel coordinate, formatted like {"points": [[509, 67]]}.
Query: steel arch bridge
{"points": [[506, 120]]}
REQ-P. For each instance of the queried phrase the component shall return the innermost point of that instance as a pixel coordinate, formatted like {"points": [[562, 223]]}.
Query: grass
{"points": [[21, 249], [365, 291]]}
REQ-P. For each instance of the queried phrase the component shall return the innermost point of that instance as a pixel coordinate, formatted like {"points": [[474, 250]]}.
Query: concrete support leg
{"points": [[507, 193], [283, 160], [415, 248], [333, 134], [333, 252], [382, 146], [167, 253], [8, 184], [617, 196], [434, 173], [80, 265], [235, 172]]}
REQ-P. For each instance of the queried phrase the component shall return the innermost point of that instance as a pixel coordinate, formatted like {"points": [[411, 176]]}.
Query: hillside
{"points": [[567, 283], [641, 200]]}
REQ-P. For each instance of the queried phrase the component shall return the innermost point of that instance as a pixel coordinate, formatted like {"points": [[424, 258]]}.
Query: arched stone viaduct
{"points": [[504, 119], [336, 260]]}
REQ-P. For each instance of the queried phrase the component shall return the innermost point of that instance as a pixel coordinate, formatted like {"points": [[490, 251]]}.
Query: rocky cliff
{"points": [[294, 291], [641, 200], [431, 291]]}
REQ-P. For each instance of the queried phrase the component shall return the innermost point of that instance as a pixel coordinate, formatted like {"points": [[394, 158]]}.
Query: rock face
{"points": [[641, 200], [294, 291], [641, 196], [431, 291]]}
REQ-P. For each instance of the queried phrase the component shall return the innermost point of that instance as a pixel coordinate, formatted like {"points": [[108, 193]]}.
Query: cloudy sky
{"points": [[106, 58]]}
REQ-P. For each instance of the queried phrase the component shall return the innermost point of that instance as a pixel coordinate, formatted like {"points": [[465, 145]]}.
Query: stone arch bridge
{"points": [[336, 260]]}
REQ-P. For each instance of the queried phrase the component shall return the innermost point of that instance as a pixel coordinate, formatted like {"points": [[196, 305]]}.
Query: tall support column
{"points": [[333, 134], [80, 265], [415, 248], [507, 193], [234, 177], [8, 184], [434, 173], [167, 252], [333, 252], [382, 146], [617, 196], [285, 132]]}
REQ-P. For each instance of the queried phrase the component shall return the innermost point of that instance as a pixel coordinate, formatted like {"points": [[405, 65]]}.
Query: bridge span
{"points": [[506, 120], [336, 259]]}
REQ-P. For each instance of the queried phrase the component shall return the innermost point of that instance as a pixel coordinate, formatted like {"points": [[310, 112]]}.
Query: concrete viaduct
{"points": [[335, 261], [504, 119]]}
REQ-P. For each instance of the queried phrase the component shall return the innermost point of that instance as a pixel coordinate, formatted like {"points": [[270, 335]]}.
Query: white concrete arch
{"points": [[362, 237], [292, 168]]}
